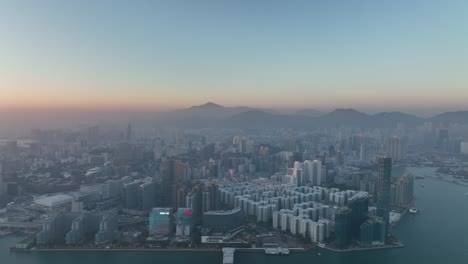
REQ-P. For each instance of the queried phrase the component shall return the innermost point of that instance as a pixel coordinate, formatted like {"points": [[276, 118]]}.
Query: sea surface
{"points": [[438, 234]]}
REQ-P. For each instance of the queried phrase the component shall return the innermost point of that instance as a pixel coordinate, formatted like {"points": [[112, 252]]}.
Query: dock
{"points": [[228, 255]]}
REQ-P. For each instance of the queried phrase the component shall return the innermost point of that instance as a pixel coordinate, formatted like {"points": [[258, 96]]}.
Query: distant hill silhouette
{"points": [[391, 119], [344, 117], [459, 117], [261, 119], [215, 115], [309, 112]]}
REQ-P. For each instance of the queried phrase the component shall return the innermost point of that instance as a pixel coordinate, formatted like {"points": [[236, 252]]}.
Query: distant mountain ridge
{"points": [[215, 115], [460, 117], [309, 112]]}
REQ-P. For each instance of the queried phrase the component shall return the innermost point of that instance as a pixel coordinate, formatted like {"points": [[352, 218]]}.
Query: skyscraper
{"points": [[372, 232], [343, 234], [130, 195], [129, 132], [443, 140], [359, 205], [312, 172], [107, 228], [383, 194], [396, 148], [401, 192], [146, 197], [316, 172], [173, 173]]}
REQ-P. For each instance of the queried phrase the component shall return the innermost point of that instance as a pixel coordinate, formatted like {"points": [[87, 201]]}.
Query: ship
{"points": [[413, 210], [276, 251]]}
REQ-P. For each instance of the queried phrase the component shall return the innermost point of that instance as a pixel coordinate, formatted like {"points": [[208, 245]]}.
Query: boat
{"points": [[322, 245], [272, 251], [277, 251], [413, 210]]}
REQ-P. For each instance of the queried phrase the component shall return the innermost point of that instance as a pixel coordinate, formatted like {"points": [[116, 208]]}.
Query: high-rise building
{"points": [[130, 195], [180, 198], [129, 132], [343, 220], [206, 202], [107, 228], [312, 172], [464, 147], [146, 196], [372, 232], [111, 189], [82, 226], [396, 148], [340, 158], [194, 201], [173, 173], [55, 229], [316, 172], [184, 222], [359, 205], [383, 193], [160, 222], [443, 140], [401, 192], [76, 234]]}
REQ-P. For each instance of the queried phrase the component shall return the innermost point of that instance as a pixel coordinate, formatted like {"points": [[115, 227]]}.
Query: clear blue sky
{"points": [[369, 54]]}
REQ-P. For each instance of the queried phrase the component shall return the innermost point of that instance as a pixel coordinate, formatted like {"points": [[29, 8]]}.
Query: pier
{"points": [[228, 255]]}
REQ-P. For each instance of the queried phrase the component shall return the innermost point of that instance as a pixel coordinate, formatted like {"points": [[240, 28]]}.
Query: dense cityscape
{"points": [[205, 189], [233, 132]]}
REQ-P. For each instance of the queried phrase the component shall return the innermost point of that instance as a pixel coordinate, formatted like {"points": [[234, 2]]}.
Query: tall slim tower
{"points": [[129, 132], [383, 194], [316, 172], [173, 173]]}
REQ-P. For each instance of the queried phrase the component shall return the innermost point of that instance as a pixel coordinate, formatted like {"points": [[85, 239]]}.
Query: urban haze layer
{"points": [[211, 177]]}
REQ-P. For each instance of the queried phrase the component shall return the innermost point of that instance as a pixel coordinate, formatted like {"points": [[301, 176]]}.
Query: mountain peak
{"points": [[344, 110], [210, 105]]}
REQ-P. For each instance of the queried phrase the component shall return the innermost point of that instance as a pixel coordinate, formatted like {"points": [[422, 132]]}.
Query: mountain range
{"points": [[215, 115]]}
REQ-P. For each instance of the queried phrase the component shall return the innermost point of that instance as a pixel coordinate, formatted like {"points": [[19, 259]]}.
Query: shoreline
{"points": [[116, 249], [146, 249], [399, 245]]}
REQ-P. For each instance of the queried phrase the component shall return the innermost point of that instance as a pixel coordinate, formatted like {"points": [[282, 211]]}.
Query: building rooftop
{"points": [[54, 200]]}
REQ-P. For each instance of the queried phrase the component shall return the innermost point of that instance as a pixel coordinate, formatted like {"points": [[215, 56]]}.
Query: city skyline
{"points": [[160, 56], [234, 132]]}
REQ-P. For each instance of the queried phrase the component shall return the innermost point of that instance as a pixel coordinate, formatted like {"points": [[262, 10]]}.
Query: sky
{"points": [[158, 55]]}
